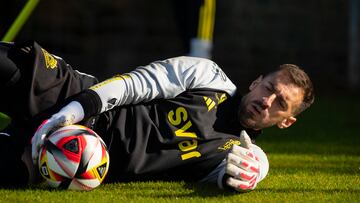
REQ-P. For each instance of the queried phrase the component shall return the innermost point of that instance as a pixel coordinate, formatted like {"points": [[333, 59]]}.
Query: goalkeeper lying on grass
{"points": [[175, 119]]}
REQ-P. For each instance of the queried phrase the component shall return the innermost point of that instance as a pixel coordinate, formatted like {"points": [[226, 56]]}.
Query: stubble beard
{"points": [[244, 116]]}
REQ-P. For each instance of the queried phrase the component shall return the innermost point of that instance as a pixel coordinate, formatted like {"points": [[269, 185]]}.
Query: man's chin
{"points": [[252, 124], [248, 123], [248, 120]]}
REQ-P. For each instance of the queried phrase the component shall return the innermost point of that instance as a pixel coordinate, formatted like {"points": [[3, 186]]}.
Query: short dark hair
{"points": [[298, 77]]}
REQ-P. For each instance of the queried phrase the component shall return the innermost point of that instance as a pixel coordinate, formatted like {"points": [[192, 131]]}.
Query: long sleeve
{"points": [[160, 79]]}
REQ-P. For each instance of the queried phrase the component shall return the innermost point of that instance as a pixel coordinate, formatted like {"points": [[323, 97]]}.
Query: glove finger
{"points": [[239, 185], [245, 140], [38, 139], [240, 173], [44, 129], [247, 154], [35, 140], [243, 162], [35, 147]]}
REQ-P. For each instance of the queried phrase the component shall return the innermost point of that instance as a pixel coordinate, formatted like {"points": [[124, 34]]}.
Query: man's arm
{"points": [[160, 79]]}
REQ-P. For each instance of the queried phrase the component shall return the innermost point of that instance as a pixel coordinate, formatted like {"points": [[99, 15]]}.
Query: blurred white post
{"points": [[354, 65]]}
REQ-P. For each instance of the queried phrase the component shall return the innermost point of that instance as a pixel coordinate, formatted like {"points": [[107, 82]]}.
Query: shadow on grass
{"points": [[39, 186], [208, 190], [301, 190]]}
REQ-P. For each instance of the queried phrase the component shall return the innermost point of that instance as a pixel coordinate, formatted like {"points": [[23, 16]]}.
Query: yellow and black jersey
{"points": [[180, 138], [172, 119]]}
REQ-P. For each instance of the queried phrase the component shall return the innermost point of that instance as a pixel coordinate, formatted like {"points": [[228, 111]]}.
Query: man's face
{"points": [[271, 101]]}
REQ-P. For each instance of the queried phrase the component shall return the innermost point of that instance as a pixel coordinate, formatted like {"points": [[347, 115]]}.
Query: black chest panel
{"points": [[181, 138]]}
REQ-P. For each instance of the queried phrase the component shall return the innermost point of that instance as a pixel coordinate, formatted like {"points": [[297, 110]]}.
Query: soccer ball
{"points": [[74, 157]]}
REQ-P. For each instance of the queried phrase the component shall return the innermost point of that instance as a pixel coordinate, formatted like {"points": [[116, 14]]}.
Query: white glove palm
{"points": [[68, 115]]}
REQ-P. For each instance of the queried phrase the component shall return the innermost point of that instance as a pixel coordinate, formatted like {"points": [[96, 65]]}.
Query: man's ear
{"points": [[287, 122], [255, 82]]}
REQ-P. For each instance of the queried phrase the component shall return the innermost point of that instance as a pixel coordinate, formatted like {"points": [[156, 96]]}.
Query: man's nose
{"points": [[267, 101]]}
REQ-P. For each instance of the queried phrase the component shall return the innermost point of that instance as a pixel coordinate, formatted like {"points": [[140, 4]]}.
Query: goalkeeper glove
{"points": [[246, 165], [70, 114]]}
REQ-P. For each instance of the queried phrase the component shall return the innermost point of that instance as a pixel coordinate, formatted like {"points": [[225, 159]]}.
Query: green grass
{"points": [[316, 160]]}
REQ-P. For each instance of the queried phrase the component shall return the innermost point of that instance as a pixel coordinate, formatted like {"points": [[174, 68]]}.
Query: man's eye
{"points": [[282, 104]]}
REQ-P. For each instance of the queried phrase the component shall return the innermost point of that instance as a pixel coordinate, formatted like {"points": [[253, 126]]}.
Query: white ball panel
{"points": [[54, 138], [90, 148], [63, 132], [54, 166], [96, 158], [68, 166]]}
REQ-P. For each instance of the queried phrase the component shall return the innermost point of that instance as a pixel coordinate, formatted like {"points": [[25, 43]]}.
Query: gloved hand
{"points": [[243, 167], [70, 114]]}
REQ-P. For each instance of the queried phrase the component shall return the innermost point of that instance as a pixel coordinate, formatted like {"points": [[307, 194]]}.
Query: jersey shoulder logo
{"points": [[219, 72], [210, 103], [50, 61], [221, 97]]}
